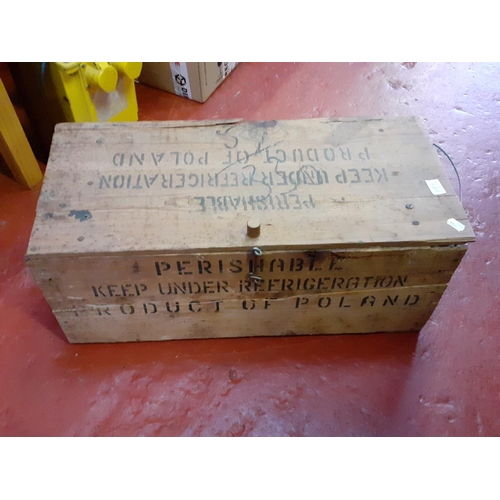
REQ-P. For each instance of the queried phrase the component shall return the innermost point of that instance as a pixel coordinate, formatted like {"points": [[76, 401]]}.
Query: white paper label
{"points": [[436, 187], [455, 224], [180, 78]]}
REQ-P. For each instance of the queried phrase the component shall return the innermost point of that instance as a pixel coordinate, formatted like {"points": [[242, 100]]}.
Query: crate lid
{"points": [[189, 186]]}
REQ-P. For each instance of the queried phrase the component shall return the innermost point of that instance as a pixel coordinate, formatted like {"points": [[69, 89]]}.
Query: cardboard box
{"points": [[177, 230], [193, 80]]}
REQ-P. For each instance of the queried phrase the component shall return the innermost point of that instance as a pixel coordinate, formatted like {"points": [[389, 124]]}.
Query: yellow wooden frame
{"points": [[14, 146]]}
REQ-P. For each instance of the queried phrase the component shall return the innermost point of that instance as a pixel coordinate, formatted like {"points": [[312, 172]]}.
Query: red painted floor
{"points": [[443, 382]]}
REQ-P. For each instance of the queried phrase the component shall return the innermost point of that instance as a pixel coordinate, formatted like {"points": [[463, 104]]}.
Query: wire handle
{"points": [[454, 168]]}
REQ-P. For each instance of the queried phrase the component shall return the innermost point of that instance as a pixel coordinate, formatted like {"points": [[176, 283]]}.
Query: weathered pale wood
{"points": [[142, 230], [105, 280], [14, 146], [155, 187], [405, 309], [144, 294]]}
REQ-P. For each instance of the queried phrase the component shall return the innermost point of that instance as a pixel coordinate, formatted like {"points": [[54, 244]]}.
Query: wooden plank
{"points": [[14, 146], [376, 223], [72, 281], [187, 187], [405, 309], [84, 291]]}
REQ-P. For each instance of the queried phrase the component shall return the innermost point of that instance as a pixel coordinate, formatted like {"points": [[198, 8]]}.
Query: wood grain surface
{"points": [[144, 231], [154, 186]]}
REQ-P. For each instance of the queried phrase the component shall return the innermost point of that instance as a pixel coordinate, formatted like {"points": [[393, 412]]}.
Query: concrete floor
{"points": [[444, 381]]}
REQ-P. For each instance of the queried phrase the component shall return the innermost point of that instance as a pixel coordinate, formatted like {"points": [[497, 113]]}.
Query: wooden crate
{"points": [[149, 230]]}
